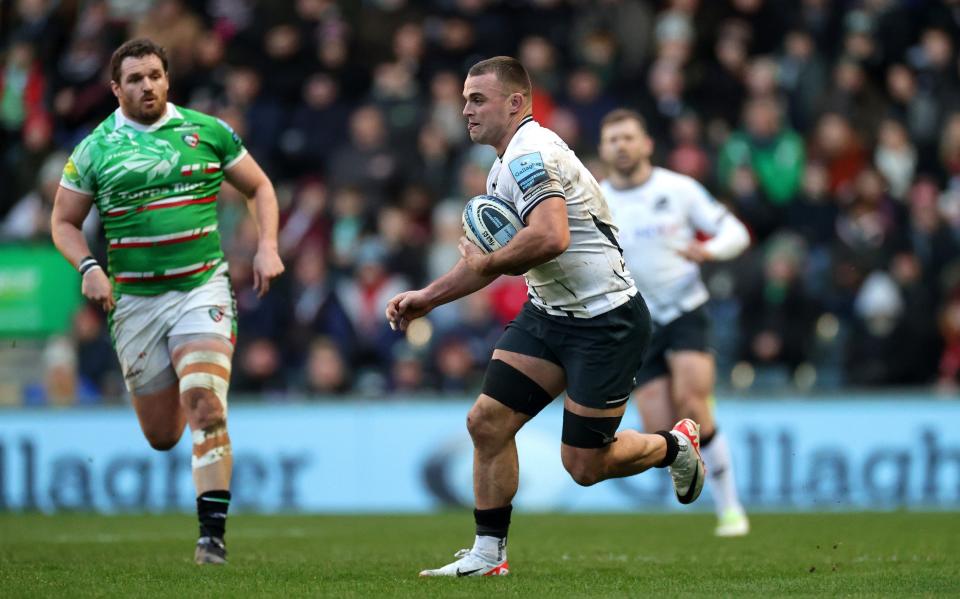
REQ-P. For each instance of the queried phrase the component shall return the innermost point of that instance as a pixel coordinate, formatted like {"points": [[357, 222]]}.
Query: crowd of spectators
{"points": [[830, 127]]}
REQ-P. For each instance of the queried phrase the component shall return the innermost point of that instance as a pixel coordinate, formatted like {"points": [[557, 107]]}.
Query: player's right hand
{"points": [[406, 307], [96, 287], [695, 252]]}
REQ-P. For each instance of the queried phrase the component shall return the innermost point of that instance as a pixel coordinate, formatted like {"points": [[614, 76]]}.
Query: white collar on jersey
{"points": [[516, 134], [121, 119]]}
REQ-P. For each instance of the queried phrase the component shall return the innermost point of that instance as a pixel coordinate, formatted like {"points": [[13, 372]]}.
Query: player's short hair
{"points": [[508, 70], [623, 114], [136, 48]]}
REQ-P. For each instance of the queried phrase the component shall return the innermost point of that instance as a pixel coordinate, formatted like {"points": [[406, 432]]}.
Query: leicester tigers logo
{"points": [[216, 313], [191, 139]]}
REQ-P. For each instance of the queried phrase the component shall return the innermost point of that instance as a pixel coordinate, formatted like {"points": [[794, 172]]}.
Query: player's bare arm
{"points": [[70, 208], [546, 236], [460, 281], [253, 183]]}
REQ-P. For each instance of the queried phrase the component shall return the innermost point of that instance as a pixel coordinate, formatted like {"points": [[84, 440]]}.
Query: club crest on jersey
{"points": [[216, 313], [191, 139]]}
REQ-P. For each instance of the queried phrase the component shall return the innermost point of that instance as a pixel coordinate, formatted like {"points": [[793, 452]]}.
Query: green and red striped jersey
{"points": [[156, 188]]}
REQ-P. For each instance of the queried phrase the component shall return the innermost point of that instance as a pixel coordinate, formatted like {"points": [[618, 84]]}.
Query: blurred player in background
{"points": [[659, 214], [154, 170], [583, 329]]}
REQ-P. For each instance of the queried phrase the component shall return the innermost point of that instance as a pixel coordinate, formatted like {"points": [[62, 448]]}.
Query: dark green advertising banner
{"points": [[39, 291]]}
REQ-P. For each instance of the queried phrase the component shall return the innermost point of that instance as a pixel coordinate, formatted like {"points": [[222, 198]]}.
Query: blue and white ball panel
{"points": [[489, 222]]}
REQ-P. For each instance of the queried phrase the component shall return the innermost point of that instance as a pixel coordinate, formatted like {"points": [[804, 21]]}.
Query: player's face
{"points": [[487, 109], [142, 89], [624, 146]]}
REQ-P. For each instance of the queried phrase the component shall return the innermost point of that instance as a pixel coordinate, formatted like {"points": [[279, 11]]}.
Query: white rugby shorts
{"points": [[142, 325]]}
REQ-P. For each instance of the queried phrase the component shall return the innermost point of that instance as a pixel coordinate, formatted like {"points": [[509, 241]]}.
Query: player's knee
{"points": [[162, 440], [482, 427], [203, 406], [204, 382], [688, 400], [584, 471]]}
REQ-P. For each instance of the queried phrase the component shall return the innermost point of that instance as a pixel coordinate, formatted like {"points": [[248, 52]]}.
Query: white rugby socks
{"points": [[716, 456], [492, 549]]}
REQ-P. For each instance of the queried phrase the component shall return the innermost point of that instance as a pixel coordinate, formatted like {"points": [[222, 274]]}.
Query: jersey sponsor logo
{"points": [[528, 170], [121, 153], [539, 189], [191, 139], [70, 170], [654, 231], [152, 191]]}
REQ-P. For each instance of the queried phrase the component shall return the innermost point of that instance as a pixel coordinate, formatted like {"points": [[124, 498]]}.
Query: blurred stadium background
{"points": [[832, 128]]}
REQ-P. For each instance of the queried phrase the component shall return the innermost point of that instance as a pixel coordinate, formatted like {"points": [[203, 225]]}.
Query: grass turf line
{"points": [[854, 555]]}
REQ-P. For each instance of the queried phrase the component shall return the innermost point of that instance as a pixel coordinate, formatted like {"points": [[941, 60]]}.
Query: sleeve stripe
{"points": [[68, 185], [529, 207], [543, 195], [232, 163]]}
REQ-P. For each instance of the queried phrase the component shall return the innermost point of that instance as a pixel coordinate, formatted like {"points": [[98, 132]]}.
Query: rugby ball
{"points": [[490, 223]]}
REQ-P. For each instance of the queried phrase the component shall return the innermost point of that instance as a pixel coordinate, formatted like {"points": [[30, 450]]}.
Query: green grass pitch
{"points": [[830, 555]]}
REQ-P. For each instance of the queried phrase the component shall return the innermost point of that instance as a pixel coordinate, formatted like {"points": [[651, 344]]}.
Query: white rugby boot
{"points": [[471, 563], [732, 523], [687, 470]]}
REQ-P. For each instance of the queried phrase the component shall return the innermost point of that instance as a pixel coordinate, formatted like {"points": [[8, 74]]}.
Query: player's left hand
{"points": [[476, 260], [266, 267], [695, 252]]}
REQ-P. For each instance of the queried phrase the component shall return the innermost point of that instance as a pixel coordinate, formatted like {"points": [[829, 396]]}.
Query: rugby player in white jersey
{"points": [[659, 213], [153, 170], [583, 329]]}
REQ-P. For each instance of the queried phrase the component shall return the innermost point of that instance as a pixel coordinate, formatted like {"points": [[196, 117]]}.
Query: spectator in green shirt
{"points": [[775, 153]]}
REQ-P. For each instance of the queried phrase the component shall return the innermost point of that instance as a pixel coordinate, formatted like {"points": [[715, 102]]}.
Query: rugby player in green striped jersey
{"points": [[153, 170]]}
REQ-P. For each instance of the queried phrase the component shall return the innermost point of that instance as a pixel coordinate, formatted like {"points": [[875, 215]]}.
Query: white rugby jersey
{"points": [[660, 217], [590, 277]]}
